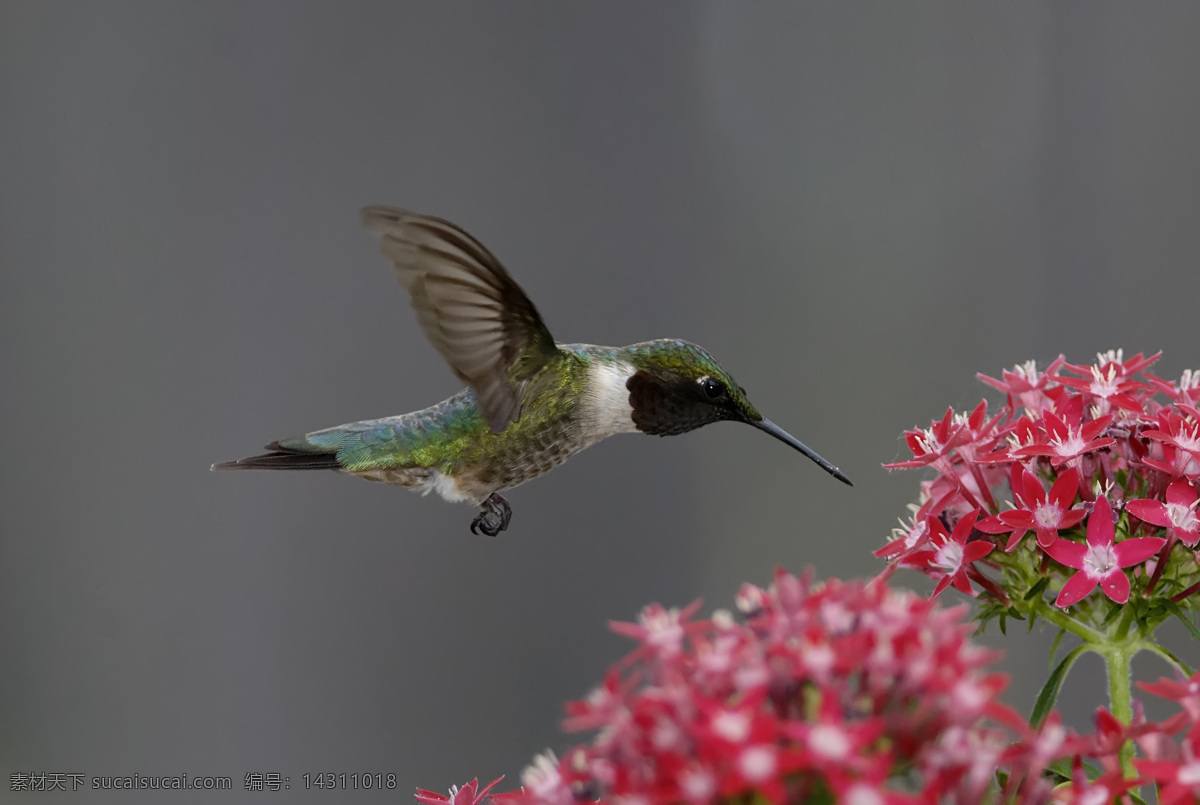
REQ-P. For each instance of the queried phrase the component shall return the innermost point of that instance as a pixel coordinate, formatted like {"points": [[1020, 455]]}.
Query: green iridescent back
{"points": [[455, 434]]}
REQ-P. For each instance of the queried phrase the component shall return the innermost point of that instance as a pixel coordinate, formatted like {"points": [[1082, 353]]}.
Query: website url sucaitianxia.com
{"points": [[65, 781]]}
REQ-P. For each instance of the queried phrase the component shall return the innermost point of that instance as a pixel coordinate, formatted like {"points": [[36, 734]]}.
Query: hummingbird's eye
{"points": [[713, 389]]}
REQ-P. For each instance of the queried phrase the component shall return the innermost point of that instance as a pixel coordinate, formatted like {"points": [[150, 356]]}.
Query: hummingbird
{"points": [[530, 403]]}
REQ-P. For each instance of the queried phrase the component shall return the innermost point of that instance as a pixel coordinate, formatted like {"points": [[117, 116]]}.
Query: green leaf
{"points": [[1170, 657], [1049, 693], [1037, 589], [1060, 770], [1174, 609], [1054, 646]]}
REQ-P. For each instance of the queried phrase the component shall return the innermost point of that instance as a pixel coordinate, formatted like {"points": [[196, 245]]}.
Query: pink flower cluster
{"points": [[841, 691], [1089, 444], [1173, 764]]}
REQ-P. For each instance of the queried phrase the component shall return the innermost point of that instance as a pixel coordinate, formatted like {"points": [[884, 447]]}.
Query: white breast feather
{"points": [[445, 486], [606, 399]]}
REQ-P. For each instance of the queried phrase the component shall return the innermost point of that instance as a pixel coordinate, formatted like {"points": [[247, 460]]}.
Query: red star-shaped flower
{"points": [[1178, 779], [469, 794], [1186, 391], [1026, 383], [1046, 514], [1107, 386], [951, 554], [1183, 691], [1100, 561], [933, 444], [1178, 514], [1067, 437], [1180, 438]]}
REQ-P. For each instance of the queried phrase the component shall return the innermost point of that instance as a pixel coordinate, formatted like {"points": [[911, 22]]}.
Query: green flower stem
{"points": [[1116, 657], [1064, 621], [1167, 655], [1117, 647], [1124, 624]]}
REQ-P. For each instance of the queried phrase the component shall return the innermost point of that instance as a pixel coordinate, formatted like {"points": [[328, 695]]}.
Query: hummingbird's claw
{"points": [[494, 517]]}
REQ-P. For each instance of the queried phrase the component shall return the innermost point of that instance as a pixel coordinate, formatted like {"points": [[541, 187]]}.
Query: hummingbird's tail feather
{"points": [[280, 459]]}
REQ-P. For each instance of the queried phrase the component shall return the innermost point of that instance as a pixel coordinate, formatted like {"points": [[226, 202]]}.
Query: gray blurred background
{"points": [[854, 206]]}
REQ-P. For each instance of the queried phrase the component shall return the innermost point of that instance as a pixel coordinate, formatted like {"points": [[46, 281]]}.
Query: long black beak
{"points": [[783, 436]]}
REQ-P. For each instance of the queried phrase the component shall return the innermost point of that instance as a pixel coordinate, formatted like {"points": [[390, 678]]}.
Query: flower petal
{"points": [[964, 527], [1094, 428], [1116, 586], [1100, 525], [1181, 492], [993, 525], [1066, 552], [976, 550], [1014, 540], [941, 587], [1047, 537], [1076, 588], [1017, 519], [1065, 488], [1151, 511], [959, 580], [1032, 491], [1134, 551], [1055, 427], [1071, 518]]}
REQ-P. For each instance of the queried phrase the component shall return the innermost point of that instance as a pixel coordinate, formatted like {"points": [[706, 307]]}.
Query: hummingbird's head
{"points": [[677, 387]]}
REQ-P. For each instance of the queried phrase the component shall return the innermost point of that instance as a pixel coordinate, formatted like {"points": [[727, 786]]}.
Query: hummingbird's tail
{"points": [[285, 457]]}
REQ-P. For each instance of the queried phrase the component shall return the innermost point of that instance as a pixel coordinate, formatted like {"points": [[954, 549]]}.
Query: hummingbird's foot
{"points": [[494, 517]]}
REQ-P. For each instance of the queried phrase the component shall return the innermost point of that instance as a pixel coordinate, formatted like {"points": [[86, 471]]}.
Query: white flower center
{"points": [[918, 531], [542, 776], [1027, 370], [732, 727], [829, 741], [1189, 437], [949, 557], [1182, 516], [757, 764], [862, 794], [661, 627], [1047, 514], [1099, 561], [666, 735], [1070, 446], [969, 697], [697, 785], [1104, 386], [838, 619], [1189, 775], [818, 658], [1051, 739], [928, 442]]}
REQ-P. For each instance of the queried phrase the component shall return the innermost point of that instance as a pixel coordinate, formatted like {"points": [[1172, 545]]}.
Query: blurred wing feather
{"points": [[471, 310]]}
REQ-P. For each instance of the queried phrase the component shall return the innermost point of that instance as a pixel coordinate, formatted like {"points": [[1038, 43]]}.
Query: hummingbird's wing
{"points": [[472, 311]]}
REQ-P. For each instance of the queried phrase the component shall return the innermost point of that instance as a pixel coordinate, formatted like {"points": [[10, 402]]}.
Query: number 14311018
{"points": [[343, 781]]}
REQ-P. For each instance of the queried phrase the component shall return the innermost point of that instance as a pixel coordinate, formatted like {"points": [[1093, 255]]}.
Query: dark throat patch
{"points": [[663, 408]]}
